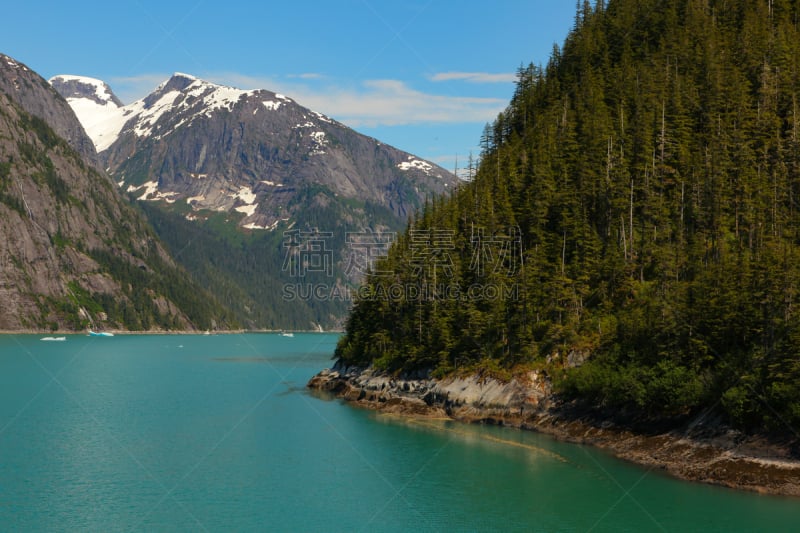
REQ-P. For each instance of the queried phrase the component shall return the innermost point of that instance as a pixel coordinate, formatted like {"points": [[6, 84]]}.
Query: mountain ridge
{"points": [[238, 182], [74, 254], [263, 140], [36, 96]]}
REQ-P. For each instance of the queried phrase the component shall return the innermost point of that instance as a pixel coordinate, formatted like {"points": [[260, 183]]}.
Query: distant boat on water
{"points": [[53, 339], [100, 334], [287, 334]]}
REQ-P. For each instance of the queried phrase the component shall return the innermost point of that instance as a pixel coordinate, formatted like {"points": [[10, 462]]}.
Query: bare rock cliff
{"points": [[73, 253]]}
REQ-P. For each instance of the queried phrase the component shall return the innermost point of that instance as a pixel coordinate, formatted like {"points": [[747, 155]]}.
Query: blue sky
{"points": [[422, 75]]}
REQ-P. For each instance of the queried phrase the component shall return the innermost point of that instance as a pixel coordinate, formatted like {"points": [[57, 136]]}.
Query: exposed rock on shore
{"points": [[702, 450]]}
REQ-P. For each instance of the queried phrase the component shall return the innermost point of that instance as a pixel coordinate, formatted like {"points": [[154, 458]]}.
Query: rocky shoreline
{"points": [[702, 450]]}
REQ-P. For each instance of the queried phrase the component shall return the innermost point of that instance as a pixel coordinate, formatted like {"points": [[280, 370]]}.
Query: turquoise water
{"points": [[217, 433]]}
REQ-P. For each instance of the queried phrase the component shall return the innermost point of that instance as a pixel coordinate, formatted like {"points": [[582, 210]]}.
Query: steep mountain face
{"points": [[73, 253], [228, 171], [37, 97]]}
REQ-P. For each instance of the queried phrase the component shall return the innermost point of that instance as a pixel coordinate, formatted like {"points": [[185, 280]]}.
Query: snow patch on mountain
{"points": [[253, 225], [322, 117], [91, 100], [320, 142], [245, 194], [248, 210], [108, 123], [91, 115], [150, 188], [215, 96], [271, 227], [152, 193], [417, 164], [13, 64], [148, 116]]}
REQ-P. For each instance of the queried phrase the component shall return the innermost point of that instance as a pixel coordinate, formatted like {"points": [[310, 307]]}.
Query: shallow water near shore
{"points": [[218, 433]]}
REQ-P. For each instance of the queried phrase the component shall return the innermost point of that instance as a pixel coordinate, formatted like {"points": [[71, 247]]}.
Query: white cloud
{"points": [[307, 76], [475, 77], [393, 103], [373, 103]]}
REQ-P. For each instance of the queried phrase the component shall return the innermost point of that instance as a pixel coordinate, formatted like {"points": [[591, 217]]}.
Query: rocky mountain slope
{"points": [[37, 97], [250, 152], [223, 173], [73, 252]]}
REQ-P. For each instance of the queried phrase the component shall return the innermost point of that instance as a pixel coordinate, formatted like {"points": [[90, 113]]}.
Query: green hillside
{"points": [[248, 272], [637, 206]]}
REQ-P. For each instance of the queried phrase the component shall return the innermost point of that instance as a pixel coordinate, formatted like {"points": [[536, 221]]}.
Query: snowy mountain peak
{"points": [[249, 153], [177, 82], [182, 98], [183, 75], [92, 100], [84, 87]]}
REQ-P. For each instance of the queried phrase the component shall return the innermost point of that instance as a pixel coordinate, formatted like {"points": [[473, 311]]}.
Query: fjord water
{"points": [[218, 433]]}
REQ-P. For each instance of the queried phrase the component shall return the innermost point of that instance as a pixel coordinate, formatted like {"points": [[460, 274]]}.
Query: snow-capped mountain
{"points": [[205, 159], [91, 99], [217, 148]]}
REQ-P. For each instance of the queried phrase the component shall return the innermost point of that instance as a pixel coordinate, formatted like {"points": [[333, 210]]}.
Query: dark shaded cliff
{"points": [[73, 253]]}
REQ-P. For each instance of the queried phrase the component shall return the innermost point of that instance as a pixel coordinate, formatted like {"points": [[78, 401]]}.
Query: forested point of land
{"points": [[632, 229]]}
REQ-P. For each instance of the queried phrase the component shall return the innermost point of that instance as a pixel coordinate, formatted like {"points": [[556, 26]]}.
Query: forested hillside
{"points": [[633, 227]]}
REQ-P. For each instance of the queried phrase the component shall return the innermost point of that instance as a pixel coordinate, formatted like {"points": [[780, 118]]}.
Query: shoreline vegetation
{"points": [[702, 449]]}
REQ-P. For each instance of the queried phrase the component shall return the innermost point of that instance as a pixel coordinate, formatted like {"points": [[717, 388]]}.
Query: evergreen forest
{"points": [[632, 229]]}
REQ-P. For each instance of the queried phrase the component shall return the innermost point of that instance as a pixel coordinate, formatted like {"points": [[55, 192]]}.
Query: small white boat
{"points": [[53, 339], [287, 334], [100, 334]]}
